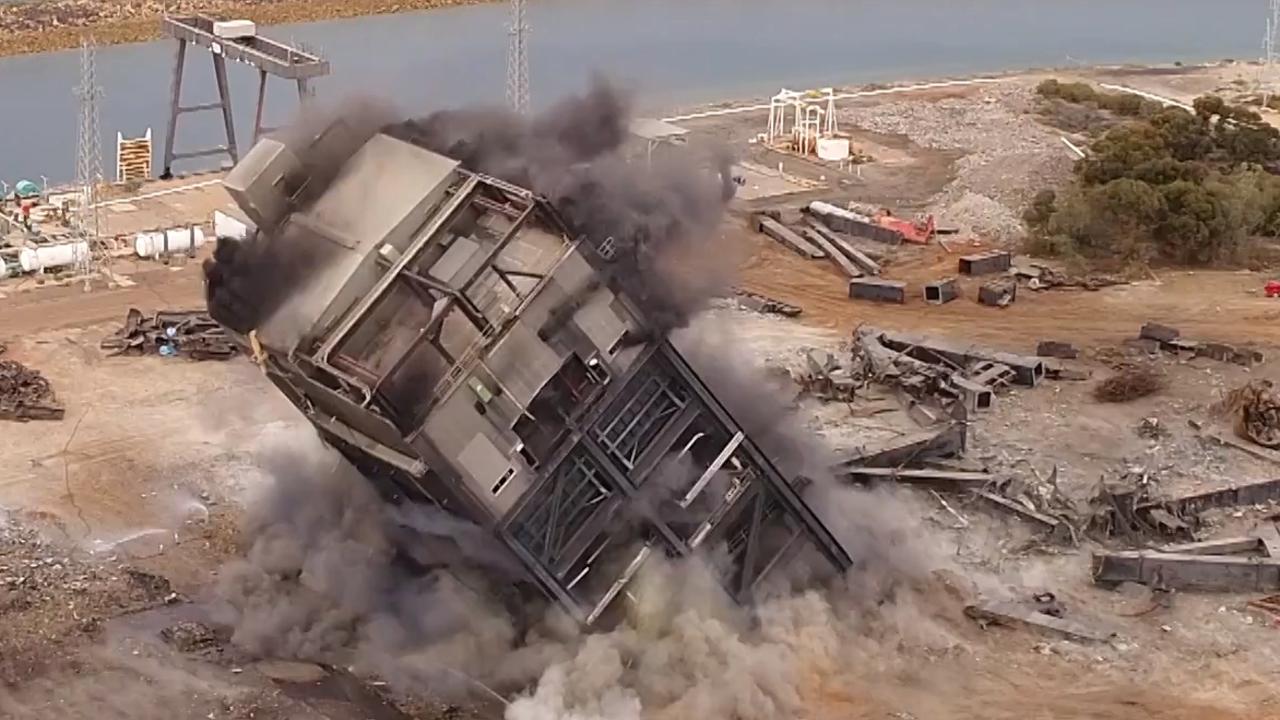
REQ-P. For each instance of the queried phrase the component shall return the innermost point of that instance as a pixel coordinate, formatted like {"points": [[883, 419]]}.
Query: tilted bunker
{"points": [[459, 347]]}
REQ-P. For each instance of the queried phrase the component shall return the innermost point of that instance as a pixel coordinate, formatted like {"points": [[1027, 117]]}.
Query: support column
{"points": [[262, 101], [175, 95], [224, 94], [304, 91]]}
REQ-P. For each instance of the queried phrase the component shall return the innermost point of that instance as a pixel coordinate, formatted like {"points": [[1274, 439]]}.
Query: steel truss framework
{"points": [[267, 56], [597, 483], [603, 501]]}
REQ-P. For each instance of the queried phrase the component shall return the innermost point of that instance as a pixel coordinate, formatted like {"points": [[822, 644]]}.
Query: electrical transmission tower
{"points": [[518, 59], [88, 160], [1269, 49]]}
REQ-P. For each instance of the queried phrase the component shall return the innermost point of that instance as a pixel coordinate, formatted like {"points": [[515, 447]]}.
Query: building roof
{"points": [[653, 129]]}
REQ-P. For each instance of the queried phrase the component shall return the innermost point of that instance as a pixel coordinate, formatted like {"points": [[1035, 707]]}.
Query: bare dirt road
{"points": [[1213, 305]]}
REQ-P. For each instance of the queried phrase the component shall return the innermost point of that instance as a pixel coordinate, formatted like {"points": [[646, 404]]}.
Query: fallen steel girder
{"points": [[1028, 371], [1234, 496], [844, 247], [788, 238], [1009, 613], [941, 292], [908, 449], [941, 480], [985, 263], [891, 291], [1184, 571], [833, 253]]}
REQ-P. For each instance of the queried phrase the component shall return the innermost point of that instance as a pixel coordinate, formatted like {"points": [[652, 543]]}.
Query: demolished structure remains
{"points": [[461, 348]]}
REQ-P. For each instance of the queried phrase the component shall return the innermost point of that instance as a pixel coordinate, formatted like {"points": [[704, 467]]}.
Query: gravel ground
{"points": [[1002, 169]]}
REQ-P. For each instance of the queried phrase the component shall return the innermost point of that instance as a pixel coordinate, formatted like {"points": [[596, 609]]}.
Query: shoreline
{"points": [[67, 21]]}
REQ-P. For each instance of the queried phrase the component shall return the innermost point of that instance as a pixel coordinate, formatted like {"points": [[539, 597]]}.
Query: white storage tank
{"points": [[4, 269], [155, 244], [44, 257], [834, 149], [822, 208]]}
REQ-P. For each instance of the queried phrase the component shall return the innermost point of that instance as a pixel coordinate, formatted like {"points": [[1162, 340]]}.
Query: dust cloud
{"points": [[333, 573]]}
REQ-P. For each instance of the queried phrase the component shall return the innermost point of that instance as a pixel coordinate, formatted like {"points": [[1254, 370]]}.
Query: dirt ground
{"points": [[114, 517]]}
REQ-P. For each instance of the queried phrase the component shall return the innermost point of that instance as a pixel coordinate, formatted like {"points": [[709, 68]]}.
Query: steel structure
{"points": [[269, 57], [1267, 71], [518, 59], [88, 159], [461, 349]]}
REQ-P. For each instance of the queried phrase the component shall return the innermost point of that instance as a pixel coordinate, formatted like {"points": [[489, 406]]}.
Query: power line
{"points": [[518, 59]]}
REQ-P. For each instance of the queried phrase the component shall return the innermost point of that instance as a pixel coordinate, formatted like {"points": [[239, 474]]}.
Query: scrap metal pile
{"points": [[25, 394], [1254, 410], [170, 333], [940, 373]]}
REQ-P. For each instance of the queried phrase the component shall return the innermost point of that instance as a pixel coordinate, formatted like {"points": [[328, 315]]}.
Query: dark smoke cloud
{"points": [[247, 281], [659, 220]]}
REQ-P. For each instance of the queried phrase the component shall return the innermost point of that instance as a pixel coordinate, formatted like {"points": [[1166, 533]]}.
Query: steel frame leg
{"points": [[224, 94], [262, 101], [175, 98]]}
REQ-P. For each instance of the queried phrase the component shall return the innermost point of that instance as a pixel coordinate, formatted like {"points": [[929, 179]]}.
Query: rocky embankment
{"points": [[31, 26]]}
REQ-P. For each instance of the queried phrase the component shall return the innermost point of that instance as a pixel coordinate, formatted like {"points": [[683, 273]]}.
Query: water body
{"points": [[671, 52]]}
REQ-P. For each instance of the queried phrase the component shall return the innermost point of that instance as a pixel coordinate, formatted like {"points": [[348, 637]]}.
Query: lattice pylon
{"points": [[89, 160], [518, 59]]}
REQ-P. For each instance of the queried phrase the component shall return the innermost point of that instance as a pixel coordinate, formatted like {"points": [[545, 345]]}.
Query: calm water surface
{"points": [[672, 52]]}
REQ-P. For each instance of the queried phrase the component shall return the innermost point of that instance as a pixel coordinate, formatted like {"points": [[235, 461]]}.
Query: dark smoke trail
{"points": [[247, 281], [659, 221]]}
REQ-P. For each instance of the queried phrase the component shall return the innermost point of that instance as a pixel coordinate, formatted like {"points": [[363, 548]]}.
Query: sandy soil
{"points": [[47, 25]]}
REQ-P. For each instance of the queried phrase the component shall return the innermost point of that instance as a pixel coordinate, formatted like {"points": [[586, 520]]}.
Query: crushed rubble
{"points": [[171, 333], [25, 394], [986, 218], [1004, 167]]}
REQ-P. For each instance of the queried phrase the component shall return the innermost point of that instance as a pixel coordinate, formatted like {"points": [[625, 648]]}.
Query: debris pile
{"points": [[930, 460], [1154, 337], [25, 394], [1130, 383], [171, 333], [825, 378], [984, 217], [764, 304], [1043, 277], [937, 373], [1254, 410], [1005, 166]]}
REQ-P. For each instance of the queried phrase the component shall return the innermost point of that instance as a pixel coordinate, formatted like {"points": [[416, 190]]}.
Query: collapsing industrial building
{"points": [[460, 346]]}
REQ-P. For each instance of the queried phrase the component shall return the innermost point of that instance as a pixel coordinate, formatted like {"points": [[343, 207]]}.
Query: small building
{"points": [[655, 134]]}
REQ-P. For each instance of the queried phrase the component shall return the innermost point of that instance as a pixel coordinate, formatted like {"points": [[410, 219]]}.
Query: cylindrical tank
{"points": [[155, 244], [822, 208], [834, 149], [43, 257], [4, 269]]}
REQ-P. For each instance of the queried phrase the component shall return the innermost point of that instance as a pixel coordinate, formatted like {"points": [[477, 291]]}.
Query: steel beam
{"points": [[1215, 573], [262, 53], [785, 494]]}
